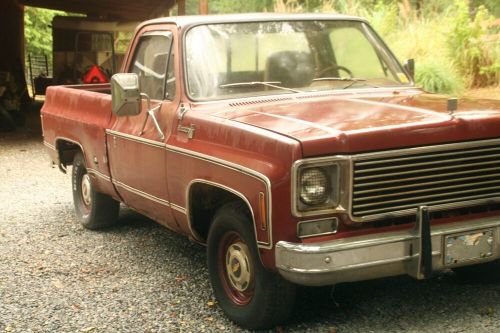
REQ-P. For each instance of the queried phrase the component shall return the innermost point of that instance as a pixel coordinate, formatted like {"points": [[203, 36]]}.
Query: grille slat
{"points": [[404, 166], [393, 160], [362, 185], [413, 207], [429, 183], [449, 167], [396, 183], [429, 196]]}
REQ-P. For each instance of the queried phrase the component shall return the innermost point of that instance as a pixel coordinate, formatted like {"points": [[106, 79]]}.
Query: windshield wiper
{"points": [[352, 80], [272, 84]]}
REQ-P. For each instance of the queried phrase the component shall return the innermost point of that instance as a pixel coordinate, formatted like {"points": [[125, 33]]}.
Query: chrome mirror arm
{"points": [[155, 122], [151, 113], [148, 99]]}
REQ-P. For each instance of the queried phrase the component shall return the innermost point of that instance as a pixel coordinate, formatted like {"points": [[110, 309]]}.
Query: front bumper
{"points": [[379, 255]]}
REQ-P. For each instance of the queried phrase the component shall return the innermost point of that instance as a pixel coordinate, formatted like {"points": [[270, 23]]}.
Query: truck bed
{"points": [[77, 116]]}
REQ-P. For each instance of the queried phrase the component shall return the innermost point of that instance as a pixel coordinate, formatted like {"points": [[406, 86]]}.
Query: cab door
{"points": [[136, 144]]}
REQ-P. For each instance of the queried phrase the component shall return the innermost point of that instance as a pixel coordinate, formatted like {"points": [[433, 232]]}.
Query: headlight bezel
{"points": [[324, 177], [331, 174], [337, 202]]}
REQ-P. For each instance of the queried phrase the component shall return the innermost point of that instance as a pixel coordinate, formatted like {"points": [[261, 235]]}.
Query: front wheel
{"points": [[93, 210], [250, 295]]}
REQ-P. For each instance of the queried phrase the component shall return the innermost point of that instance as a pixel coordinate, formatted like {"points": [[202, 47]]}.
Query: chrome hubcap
{"points": [[238, 266], [86, 190]]}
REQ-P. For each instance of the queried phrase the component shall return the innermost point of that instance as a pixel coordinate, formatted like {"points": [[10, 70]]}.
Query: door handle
{"points": [[188, 130]]}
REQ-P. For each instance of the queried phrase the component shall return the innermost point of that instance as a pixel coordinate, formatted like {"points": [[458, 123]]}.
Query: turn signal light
{"points": [[317, 227]]}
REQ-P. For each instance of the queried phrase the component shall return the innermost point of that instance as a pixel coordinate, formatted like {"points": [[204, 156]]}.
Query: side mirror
{"points": [[409, 66], [125, 94]]}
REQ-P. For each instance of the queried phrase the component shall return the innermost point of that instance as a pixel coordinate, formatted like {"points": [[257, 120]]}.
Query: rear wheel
{"points": [[93, 210], [250, 295]]}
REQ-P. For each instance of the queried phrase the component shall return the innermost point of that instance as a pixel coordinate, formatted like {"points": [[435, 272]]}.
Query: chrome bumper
{"points": [[377, 255]]}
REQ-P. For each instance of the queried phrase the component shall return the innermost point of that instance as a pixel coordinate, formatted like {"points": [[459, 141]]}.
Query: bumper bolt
{"points": [[328, 260]]}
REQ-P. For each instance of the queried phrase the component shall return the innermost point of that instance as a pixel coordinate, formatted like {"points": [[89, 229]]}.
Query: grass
{"points": [[453, 50]]}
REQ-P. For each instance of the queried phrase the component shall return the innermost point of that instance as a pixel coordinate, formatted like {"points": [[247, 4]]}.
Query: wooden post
{"points": [[12, 37], [181, 7], [12, 42], [203, 7]]}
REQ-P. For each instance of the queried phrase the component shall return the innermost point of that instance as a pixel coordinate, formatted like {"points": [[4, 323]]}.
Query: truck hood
{"points": [[359, 123]]}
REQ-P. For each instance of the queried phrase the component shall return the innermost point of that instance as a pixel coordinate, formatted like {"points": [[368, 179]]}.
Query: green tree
{"points": [[38, 30], [240, 6]]}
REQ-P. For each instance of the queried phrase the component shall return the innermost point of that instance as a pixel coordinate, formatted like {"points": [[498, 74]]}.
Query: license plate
{"points": [[469, 246]]}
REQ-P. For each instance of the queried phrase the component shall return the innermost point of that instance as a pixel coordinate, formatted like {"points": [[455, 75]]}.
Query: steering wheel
{"points": [[335, 67]]}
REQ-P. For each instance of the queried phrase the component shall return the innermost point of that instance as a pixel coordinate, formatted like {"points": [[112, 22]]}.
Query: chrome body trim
{"points": [[456, 196], [136, 138], [346, 163], [233, 191], [236, 167], [98, 174], [241, 169], [429, 183], [72, 141], [372, 256], [343, 163], [62, 167], [48, 145], [141, 193], [178, 208], [426, 149]]}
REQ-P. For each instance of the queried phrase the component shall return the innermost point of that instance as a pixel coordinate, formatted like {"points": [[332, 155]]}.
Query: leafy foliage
{"points": [[438, 77], [38, 31], [242, 6], [449, 39], [469, 50]]}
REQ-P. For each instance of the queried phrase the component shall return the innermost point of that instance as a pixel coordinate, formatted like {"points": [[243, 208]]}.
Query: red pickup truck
{"points": [[296, 147]]}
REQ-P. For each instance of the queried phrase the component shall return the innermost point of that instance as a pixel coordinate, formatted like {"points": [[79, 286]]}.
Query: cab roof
{"points": [[192, 20]]}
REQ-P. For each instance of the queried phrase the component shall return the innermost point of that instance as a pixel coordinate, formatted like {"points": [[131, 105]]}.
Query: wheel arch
{"points": [[201, 212], [66, 151]]}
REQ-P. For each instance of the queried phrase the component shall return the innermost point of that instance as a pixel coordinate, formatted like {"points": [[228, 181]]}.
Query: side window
{"points": [[150, 63], [170, 86]]}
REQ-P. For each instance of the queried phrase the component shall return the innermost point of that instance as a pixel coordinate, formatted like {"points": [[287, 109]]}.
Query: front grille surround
{"points": [[395, 183]]}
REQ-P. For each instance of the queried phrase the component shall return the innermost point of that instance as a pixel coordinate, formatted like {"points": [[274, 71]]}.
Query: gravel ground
{"points": [[56, 276]]}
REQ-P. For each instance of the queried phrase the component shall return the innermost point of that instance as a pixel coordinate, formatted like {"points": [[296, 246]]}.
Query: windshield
{"points": [[260, 58]]}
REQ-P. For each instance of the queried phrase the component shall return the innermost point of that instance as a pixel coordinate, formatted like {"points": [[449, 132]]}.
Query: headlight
{"points": [[317, 187], [314, 186]]}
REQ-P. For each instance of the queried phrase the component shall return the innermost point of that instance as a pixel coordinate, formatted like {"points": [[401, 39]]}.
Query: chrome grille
{"points": [[395, 183]]}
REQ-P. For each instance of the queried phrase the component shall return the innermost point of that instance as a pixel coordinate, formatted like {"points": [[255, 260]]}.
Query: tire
{"points": [[93, 210], [487, 272], [251, 296]]}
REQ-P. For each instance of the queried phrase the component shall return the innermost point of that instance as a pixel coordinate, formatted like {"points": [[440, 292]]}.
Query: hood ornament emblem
{"points": [[452, 106]]}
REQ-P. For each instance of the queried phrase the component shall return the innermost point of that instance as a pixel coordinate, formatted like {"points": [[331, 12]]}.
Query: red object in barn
{"points": [[95, 75]]}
